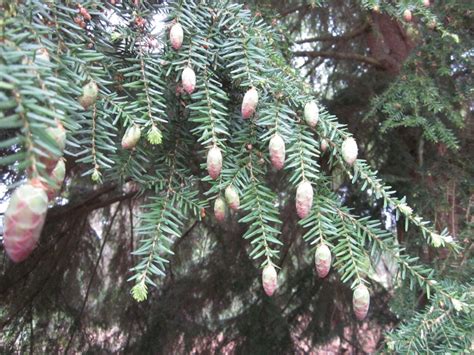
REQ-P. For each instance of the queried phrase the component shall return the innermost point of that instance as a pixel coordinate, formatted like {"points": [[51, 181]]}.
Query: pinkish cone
{"points": [[214, 162], [90, 91], [232, 197], [311, 113], [349, 150], [23, 221], [304, 199], [269, 279], [188, 78], [57, 178], [176, 36], [322, 260], [277, 151], [219, 209], [58, 134], [249, 103], [131, 137], [324, 145], [361, 301]]}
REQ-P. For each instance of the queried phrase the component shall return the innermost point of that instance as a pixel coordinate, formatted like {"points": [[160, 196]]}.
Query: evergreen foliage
{"points": [[119, 46]]}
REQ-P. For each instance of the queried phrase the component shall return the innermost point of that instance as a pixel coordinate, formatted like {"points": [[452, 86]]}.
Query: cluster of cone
{"points": [[232, 199], [323, 259], [304, 193], [26, 211], [188, 76]]}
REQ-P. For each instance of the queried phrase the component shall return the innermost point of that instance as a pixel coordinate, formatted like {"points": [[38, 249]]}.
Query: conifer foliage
{"points": [[137, 100]]}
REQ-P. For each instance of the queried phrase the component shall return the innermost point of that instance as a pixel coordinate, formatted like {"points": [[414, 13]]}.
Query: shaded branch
{"points": [[344, 37], [340, 55]]}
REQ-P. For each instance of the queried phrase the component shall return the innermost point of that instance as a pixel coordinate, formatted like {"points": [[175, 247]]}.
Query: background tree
{"points": [[371, 67]]}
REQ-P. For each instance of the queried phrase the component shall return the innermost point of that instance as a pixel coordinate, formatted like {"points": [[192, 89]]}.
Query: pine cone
{"points": [[249, 103], [219, 209], [176, 36], [269, 279], [214, 162], [311, 113], [232, 197], [188, 77], [304, 199], [131, 137], [361, 301], [89, 94], [349, 150], [57, 179], [322, 260], [277, 151], [23, 221]]}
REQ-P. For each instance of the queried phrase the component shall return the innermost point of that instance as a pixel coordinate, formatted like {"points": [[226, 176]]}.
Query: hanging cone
{"points": [[90, 92], [214, 162], [311, 113], [58, 135], [23, 221], [361, 301], [304, 199], [322, 260], [232, 197], [277, 151], [176, 36], [349, 150], [57, 179], [324, 145], [131, 137], [219, 209], [188, 78], [249, 103], [269, 279]]}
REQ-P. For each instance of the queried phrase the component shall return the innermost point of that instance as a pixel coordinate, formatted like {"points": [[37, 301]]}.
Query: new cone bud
{"points": [[311, 113], [188, 78], [277, 151], [407, 15], [131, 137], [269, 279], [322, 260], [23, 221], [304, 199], [324, 145], [361, 301], [57, 179], [58, 135], [89, 94], [219, 209], [249, 103], [349, 150], [232, 197], [176, 36], [214, 162]]}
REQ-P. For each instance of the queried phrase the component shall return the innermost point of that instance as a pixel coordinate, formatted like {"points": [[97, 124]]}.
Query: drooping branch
{"points": [[344, 37], [340, 55]]}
